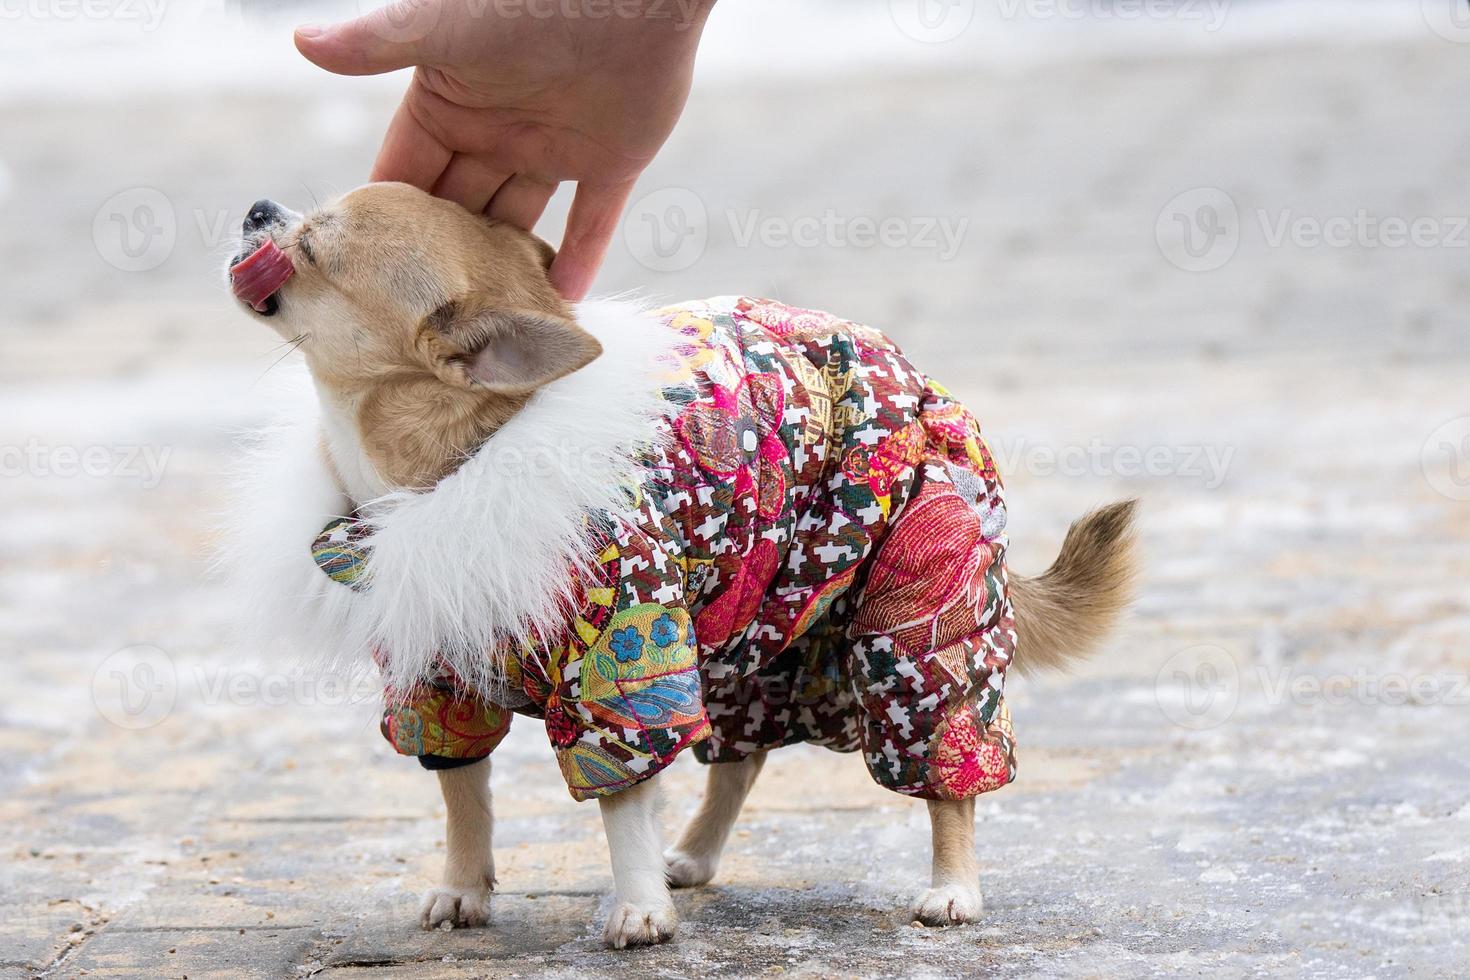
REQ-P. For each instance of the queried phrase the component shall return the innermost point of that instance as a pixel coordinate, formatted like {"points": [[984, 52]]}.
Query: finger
{"points": [[521, 201], [469, 182], [383, 40], [410, 153], [596, 209]]}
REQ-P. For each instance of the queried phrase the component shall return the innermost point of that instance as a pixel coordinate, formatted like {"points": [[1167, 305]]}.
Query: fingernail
{"points": [[310, 31]]}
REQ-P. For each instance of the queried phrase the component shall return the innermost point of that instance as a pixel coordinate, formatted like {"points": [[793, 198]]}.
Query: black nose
{"points": [[263, 214]]}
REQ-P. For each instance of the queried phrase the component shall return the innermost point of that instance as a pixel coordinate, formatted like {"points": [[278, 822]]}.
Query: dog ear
{"points": [[510, 352]]}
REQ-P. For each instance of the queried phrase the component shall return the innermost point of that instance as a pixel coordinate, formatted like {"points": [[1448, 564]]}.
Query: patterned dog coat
{"points": [[815, 552]]}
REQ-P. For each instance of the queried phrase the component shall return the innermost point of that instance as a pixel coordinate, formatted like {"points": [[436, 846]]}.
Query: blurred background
{"points": [[1211, 253]]}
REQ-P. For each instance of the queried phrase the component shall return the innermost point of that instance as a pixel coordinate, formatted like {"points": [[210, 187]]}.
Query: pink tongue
{"points": [[259, 275]]}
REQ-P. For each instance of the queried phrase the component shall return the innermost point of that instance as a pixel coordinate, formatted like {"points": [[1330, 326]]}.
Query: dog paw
{"points": [[684, 870], [631, 924], [949, 905], [456, 907]]}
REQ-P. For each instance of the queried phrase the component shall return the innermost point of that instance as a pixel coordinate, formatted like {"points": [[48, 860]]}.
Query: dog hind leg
{"points": [[694, 860], [955, 893]]}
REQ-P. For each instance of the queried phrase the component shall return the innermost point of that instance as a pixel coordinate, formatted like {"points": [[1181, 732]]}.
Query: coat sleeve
{"points": [[439, 721], [340, 553], [626, 694]]}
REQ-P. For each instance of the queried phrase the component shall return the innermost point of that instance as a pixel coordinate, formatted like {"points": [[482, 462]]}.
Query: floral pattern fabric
{"points": [[816, 553]]}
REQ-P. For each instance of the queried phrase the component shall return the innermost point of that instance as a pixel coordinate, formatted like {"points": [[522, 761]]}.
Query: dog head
{"points": [[424, 326]]}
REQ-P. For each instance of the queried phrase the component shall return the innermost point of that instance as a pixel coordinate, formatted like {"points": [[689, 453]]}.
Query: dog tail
{"points": [[1064, 613]]}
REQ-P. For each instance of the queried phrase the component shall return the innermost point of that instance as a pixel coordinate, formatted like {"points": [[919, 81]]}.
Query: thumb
{"points": [[380, 41]]}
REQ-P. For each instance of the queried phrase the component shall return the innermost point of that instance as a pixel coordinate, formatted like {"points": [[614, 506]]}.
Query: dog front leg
{"points": [[695, 858], [463, 898], [955, 895], [643, 913]]}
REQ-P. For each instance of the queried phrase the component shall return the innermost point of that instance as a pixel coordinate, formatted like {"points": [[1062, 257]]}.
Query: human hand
{"points": [[511, 97]]}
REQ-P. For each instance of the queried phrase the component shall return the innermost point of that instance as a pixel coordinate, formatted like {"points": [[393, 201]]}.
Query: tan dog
{"points": [[426, 330]]}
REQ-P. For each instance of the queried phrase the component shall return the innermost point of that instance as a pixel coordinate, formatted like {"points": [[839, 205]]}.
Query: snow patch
{"points": [[1218, 876]]}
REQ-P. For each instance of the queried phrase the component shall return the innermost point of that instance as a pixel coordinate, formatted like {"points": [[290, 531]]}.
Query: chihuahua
{"points": [[724, 526]]}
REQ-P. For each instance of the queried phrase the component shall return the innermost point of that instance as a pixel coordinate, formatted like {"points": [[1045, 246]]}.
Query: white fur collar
{"points": [[484, 558]]}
